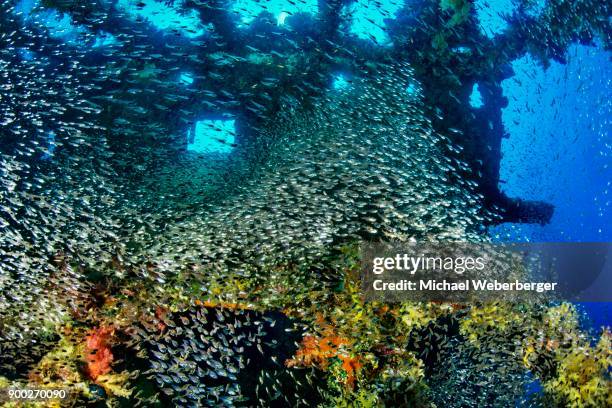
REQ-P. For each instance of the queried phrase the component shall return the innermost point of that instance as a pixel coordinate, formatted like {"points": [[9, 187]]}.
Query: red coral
{"points": [[160, 314], [99, 356]]}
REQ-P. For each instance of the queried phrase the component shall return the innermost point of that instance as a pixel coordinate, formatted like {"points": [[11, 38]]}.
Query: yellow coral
{"points": [[581, 376], [59, 365], [363, 398], [416, 315], [489, 319], [115, 384], [4, 382], [581, 379], [562, 318]]}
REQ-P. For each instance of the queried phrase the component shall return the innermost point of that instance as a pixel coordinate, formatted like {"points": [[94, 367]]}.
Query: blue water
{"points": [[558, 148], [212, 136]]}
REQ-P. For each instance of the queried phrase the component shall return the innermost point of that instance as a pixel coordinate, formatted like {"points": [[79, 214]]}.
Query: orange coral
{"points": [[319, 351], [351, 366], [99, 356], [315, 351]]}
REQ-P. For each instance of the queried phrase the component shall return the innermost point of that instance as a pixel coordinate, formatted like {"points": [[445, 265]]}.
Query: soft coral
{"points": [[99, 356]]}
